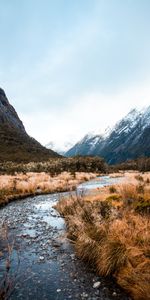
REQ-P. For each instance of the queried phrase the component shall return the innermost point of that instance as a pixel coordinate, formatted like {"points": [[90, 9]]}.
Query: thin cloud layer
{"points": [[73, 67]]}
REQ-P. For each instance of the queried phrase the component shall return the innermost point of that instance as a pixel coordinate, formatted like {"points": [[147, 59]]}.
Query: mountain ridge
{"points": [[128, 139]]}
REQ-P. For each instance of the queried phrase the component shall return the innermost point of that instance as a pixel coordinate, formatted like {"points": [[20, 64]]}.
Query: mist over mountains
{"points": [[61, 149]]}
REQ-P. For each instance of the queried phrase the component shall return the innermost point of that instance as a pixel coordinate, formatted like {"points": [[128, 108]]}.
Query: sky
{"points": [[70, 67]]}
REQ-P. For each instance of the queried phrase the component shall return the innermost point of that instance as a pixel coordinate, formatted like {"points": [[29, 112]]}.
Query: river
{"points": [[43, 263]]}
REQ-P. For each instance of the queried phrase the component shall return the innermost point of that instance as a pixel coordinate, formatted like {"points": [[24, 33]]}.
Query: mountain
{"points": [[61, 149], [86, 146], [16, 144], [128, 139]]}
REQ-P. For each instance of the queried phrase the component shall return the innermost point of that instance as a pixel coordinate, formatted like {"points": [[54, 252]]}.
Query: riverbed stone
{"points": [[96, 285]]}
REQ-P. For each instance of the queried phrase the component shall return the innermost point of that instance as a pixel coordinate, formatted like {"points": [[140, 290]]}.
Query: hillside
{"points": [[16, 144]]}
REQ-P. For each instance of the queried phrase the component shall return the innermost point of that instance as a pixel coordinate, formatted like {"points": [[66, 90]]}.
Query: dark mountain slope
{"points": [[15, 143]]}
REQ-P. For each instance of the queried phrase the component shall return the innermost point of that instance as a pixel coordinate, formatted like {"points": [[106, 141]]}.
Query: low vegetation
{"points": [[55, 175], [22, 185], [111, 231], [140, 164], [56, 166]]}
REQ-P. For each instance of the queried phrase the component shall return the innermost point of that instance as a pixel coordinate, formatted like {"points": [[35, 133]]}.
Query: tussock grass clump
{"points": [[128, 193], [139, 178], [86, 249], [142, 205], [140, 189], [112, 189], [112, 256], [114, 197], [97, 232], [136, 280], [137, 197]]}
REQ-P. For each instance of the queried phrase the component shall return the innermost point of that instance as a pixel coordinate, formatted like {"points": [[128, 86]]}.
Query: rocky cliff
{"points": [[15, 143]]}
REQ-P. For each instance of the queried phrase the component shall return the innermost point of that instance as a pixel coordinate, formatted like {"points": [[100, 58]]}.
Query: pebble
{"points": [[72, 256], [41, 258], [96, 285], [84, 295]]}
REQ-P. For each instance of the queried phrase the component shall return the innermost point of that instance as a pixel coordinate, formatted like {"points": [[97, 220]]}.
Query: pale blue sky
{"points": [[73, 66]]}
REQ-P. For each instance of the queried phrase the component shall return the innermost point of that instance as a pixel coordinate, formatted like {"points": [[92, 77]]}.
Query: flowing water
{"points": [[43, 264], [98, 183]]}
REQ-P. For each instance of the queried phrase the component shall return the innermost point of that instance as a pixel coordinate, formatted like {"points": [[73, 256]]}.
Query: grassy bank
{"points": [[22, 185], [111, 231]]}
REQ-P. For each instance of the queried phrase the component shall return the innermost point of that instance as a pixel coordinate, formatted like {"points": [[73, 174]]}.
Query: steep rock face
{"points": [[128, 139], [15, 143], [8, 115]]}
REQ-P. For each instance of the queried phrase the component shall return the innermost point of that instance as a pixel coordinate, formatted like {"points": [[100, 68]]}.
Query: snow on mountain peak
{"points": [[132, 115], [107, 132]]}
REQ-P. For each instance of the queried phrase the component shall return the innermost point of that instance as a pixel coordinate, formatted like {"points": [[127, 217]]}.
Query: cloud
{"points": [[88, 112]]}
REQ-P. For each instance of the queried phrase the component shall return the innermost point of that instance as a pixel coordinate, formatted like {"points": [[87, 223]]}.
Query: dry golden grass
{"points": [[20, 185], [113, 235]]}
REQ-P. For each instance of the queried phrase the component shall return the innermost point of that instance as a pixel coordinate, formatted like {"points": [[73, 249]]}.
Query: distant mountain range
{"points": [[15, 143], [128, 139]]}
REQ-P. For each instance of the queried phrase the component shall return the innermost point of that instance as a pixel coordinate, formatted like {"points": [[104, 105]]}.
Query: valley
{"points": [[74, 150], [75, 226]]}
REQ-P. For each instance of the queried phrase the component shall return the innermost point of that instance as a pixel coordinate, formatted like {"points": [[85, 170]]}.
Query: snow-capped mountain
{"points": [[86, 146], [128, 139], [59, 148]]}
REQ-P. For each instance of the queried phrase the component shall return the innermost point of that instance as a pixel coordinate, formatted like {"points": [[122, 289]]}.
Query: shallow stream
{"points": [[43, 260]]}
